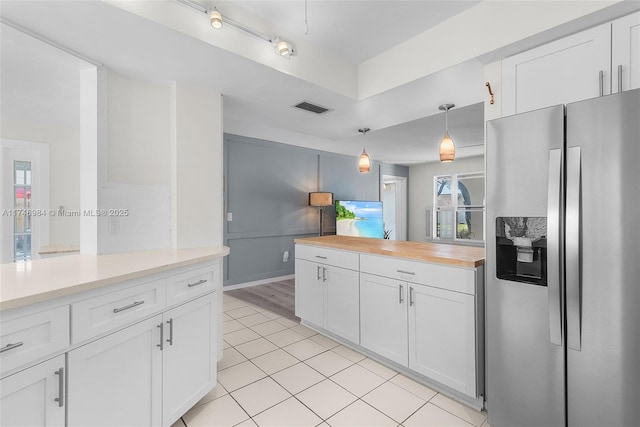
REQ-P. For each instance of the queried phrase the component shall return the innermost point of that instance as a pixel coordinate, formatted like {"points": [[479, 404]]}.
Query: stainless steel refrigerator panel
{"points": [[603, 316], [525, 371]]}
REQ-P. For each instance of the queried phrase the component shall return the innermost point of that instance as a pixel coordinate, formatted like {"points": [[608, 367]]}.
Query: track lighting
{"points": [[216, 19]]}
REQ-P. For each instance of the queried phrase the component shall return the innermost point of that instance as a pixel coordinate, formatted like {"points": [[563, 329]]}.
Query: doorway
{"points": [[394, 202], [24, 197]]}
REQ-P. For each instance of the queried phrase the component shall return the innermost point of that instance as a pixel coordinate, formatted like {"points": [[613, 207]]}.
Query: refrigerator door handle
{"points": [[554, 280], [573, 244]]}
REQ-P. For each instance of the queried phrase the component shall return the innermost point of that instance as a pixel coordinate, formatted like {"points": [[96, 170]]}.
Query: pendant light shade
{"points": [[364, 162], [447, 146]]}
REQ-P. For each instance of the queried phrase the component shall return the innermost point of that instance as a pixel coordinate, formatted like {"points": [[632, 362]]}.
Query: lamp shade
{"points": [[447, 149], [320, 198], [364, 163]]}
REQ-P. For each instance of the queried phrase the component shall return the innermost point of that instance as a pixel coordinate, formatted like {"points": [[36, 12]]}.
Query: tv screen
{"points": [[359, 218]]}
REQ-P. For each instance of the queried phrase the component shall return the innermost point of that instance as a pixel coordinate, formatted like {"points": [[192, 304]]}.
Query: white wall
{"points": [[421, 189]]}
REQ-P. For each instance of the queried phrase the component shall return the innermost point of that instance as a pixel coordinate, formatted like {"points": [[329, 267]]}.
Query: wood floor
{"points": [[278, 297]]}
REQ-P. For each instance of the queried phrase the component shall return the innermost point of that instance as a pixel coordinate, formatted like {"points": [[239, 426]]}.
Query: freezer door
{"points": [[525, 369], [603, 264]]}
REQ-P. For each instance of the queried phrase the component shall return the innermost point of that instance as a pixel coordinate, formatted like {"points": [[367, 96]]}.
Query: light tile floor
{"points": [[276, 372]]}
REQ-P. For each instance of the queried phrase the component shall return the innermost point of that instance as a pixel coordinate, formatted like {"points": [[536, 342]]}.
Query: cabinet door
{"points": [[117, 380], [442, 337], [29, 397], [626, 52], [342, 303], [559, 72], [309, 292], [383, 317], [189, 356]]}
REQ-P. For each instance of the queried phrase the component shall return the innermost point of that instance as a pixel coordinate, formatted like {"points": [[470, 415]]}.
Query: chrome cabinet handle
{"points": [[11, 346], [554, 206], [400, 292], [321, 257], [127, 307], [324, 274], [411, 302], [170, 340], [406, 272], [60, 398], [199, 282], [572, 249], [161, 345], [620, 78], [318, 273], [601, 82]]}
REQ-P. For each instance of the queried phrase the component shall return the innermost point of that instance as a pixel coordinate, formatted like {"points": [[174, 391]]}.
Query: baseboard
{"points": [[257, 282]]}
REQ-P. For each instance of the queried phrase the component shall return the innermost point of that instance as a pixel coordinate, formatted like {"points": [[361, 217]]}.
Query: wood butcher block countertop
{"points": [[455, 255]]}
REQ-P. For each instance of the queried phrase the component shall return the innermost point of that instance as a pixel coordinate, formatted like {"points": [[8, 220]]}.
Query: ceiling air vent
{"points": [[307, 106]]}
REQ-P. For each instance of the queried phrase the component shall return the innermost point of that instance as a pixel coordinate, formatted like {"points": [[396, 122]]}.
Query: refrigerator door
{"points": [[525, 369], [603, 264]]}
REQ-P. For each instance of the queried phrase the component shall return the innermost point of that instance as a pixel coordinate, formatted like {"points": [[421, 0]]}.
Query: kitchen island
{"points": [[129, 338], [416, 307]]}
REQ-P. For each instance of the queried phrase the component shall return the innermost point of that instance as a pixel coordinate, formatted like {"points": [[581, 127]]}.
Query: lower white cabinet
{"points": [[442, 341], [147, 374], [328, 296], [383, 317], [117, 380], [34, 396]]}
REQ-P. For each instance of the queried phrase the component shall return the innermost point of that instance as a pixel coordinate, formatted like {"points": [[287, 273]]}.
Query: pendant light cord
{"points": [[305, 18]]}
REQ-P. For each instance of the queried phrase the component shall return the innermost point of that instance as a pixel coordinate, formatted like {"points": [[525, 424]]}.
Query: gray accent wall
{"points": [[267, 187]]}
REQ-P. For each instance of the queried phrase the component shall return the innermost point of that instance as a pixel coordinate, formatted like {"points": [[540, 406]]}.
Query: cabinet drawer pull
{"points": [[60, 398], [199, 282], [406, 272], [11, 346], [127, 307], [170, 340], [321, 257]]}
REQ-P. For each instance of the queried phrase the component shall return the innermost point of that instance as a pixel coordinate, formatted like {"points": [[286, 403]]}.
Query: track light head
{"points": [[216, 19]]}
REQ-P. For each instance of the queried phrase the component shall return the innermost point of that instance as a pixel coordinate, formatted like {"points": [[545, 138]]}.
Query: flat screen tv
{"points": [[359, 218]]}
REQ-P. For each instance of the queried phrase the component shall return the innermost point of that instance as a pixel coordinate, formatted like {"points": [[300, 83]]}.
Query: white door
{"points": [[442, 337], [626, 53], [24, 199], [310, 292], [341, 303], [117, 380], [559, 72], [29, 397], [189, 356], [394, 206], [383, 317]]}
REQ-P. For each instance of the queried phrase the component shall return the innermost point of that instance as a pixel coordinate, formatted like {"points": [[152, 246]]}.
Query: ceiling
{"points": [[135, 39]]}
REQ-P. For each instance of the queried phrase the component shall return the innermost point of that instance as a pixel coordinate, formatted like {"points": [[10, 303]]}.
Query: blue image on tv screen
{"points": [[359, 218]]}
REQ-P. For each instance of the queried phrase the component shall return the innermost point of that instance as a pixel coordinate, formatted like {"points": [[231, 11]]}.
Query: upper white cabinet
{"points": [[570, 69], [582, 66], [625, 53]]}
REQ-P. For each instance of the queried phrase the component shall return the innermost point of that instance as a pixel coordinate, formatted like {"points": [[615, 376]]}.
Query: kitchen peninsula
{"points": [[417, 307], [82, 335]]}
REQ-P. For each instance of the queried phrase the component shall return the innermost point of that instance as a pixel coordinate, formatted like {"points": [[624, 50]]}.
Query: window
{"points": [[22, 207], [459, 207]]}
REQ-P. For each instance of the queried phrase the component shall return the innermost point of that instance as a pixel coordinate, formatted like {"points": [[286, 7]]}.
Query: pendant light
{"points": [[447, 147], [364, 163]]}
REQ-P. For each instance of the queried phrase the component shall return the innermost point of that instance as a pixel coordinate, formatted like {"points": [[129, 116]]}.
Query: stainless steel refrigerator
{"points": [[563, 265]]}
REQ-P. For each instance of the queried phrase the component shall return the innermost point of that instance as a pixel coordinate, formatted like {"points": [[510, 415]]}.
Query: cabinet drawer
{"points": [[104, 313], [185, 286], [30, 337], [439, 276], [336, 257]]}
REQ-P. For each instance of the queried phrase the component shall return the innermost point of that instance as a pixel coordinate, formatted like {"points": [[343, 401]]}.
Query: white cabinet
{"points": [[117, 380], [327, 290], [383, 317], [34, 396], [442, 341], [625, 55], [570, 69], [188, 356]]}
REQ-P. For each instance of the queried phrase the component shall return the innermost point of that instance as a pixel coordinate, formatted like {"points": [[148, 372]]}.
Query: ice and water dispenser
{"points": [[521, 246]]}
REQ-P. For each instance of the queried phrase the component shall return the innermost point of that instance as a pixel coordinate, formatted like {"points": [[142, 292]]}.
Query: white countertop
{"points": [[29, 282]]}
